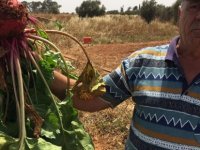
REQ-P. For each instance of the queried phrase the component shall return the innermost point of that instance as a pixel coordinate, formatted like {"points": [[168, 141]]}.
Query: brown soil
{"points": [[106, 57]]}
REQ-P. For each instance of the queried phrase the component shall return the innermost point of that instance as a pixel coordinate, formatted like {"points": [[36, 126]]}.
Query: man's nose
{"points": [[198, 15]]}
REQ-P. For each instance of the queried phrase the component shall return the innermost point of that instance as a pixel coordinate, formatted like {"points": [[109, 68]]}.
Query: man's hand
{"points": [[59, 86]]}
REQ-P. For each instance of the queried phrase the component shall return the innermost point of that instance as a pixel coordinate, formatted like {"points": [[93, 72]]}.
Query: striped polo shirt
{"points": [[167, 108]]}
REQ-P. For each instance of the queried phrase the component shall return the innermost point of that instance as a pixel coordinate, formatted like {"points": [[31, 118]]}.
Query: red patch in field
{"points": [[87, 40]]}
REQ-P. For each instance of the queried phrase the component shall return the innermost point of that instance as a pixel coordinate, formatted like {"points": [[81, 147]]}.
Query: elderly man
{"points": [[164, 82]]}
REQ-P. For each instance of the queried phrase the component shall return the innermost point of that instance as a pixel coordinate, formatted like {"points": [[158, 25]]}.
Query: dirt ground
{"points": [[105, 57]]}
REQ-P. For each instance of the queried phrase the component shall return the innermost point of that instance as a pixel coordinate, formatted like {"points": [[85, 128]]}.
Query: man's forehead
{"points": [[192, 1]]}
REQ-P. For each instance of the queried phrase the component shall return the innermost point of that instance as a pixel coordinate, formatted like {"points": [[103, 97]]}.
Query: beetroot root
{"points": [[13, 18]]}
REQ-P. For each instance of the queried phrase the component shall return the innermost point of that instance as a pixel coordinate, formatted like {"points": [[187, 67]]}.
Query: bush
{"points": [[90, 8], [175, 7], [148, 10]]}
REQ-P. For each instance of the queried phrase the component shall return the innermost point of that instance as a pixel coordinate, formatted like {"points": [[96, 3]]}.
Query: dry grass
{"points": [[109, 128], [113, 28]]}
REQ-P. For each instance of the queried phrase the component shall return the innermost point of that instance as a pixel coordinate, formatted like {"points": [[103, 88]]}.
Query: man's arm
{"points": [[59, 86]]}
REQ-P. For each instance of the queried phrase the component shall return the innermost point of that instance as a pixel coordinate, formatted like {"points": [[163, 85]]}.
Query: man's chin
{"points": [[194, 42]]}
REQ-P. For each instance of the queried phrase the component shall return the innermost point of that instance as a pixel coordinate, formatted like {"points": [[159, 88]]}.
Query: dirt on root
{"points": [[108, 128]]}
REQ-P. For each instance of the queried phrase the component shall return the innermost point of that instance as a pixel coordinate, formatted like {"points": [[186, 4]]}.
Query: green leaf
{"points": [[51, 125], [10, 128], [53, 119], [84, 139], [6, 141], [40, 144], [52, 60], [73, 129], [42, 33], [48, 133], [62, 128], [72, 135], [58, 24], [10, 143]]}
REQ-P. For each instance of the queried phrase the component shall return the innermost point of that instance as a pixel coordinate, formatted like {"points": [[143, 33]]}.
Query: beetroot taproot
{"points": [[14, 17]]}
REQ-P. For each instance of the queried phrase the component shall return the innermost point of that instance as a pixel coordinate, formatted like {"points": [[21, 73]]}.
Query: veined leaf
{"points": [[72, 135], [74, 131], [6, 141], [40, 144], [91, 83], [61, 128], [10, 143]]}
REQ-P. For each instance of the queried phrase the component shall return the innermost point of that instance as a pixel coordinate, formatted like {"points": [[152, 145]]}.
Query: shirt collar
{"points": [[172, 53]]}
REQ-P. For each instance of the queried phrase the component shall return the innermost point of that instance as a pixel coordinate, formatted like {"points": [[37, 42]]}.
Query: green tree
{"points": [[164, 13], [132, 11], [47, 6], [35, 7], [114, 12], [128, 11], [136, 10], [25, 3], [122, 10], [175, 7], [91, 8], [148, 10]]}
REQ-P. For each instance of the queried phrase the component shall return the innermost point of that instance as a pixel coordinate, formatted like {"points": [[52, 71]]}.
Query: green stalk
{"points": [[15, 93], [33, 37], [64, 34], [47, 86], [28, 95], [71, 37], [54, 46], [22, 102]]}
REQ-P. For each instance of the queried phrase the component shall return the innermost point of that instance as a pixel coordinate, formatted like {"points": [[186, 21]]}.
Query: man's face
{"points": [[189, 23]]}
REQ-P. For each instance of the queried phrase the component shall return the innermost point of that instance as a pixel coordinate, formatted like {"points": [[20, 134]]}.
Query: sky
{"points": [[70, 5]]}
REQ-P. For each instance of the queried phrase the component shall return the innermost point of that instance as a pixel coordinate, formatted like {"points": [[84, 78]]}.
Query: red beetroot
{"points": [[13, 18]]}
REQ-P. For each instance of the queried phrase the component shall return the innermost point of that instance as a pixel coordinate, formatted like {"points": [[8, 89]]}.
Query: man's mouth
{"points": [[196, 32]]}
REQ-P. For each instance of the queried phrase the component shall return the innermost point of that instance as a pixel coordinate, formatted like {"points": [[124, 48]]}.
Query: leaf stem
{"points": [[54, 46], [22, 101], [15, 91], [47, 86], [70, 36]]}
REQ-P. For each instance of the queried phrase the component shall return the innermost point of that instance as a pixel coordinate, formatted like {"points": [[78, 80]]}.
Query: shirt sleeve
{"points": [[117, 88]]}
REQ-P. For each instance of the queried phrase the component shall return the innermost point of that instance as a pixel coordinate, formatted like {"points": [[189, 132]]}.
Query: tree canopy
{"points": [[47, 6], [148, 10], [90, 8]]}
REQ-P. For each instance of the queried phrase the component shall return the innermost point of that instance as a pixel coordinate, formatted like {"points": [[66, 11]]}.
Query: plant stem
{"points": [[62, 33], [15, 92], [70, 36], [22, 101], [54, 46], [47, 86]]}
